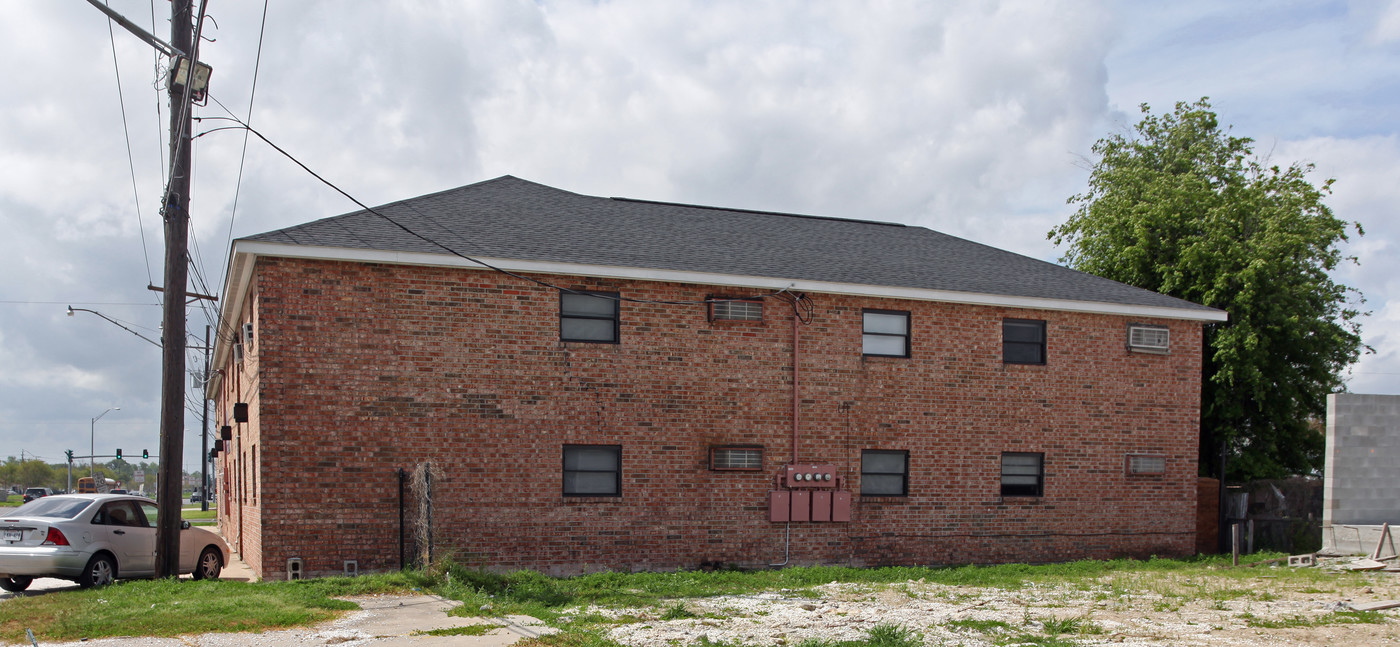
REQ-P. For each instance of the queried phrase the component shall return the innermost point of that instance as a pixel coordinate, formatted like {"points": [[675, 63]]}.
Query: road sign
{"points": [[140, 476]]}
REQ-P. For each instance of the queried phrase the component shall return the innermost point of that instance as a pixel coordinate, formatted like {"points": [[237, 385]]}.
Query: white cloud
{"points": [[967, 117]]}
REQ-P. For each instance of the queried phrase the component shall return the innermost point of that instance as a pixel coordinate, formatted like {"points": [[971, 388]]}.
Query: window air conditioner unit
{"points": [[1149, 339], [237, 351]]}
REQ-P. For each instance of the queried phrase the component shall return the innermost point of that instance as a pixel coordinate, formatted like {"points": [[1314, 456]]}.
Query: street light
{"points": [[92, 445], [153, 342]]}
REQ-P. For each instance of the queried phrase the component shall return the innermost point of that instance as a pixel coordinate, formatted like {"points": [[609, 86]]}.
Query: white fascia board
{"points": [[729, 280]]}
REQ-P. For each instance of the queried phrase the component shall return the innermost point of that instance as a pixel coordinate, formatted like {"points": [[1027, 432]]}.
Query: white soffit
{"points": [[255, 248]]}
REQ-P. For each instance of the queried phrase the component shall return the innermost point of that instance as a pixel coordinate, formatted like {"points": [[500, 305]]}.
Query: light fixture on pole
{"points": [[92, 444]]}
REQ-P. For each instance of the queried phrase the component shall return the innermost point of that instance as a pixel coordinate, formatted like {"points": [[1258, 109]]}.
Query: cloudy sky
{"points": [[972, 118]]}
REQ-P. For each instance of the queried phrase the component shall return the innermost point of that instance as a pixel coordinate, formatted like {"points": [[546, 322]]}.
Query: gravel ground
{"points": [[1131, 609]]}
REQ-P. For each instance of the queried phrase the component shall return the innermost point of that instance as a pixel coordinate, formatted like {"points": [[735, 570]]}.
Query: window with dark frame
{"points": [[736, 459], [735, 309], [1022, 474], [592, 470], [588, 316], [1023, 341], [885, 333], [884, 472]]}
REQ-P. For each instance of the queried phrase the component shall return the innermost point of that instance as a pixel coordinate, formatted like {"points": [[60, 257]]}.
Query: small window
{"points": [[736, 458], [588, 316], [1023, 341], [1022, 474], [592, 470], [1146, 464], [1148, 339], [884, 473], [735, 309], [885, 333]]}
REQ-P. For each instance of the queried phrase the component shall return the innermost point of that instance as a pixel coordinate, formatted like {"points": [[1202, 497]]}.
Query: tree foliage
{"points": [[1182, 207]]}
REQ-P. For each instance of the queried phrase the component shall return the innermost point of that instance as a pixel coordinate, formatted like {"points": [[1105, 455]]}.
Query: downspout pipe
{"points": [[796, 390]]}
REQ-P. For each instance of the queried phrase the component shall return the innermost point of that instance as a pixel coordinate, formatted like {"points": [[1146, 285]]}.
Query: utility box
{"points": [[841, 506], [801, 505], [780, 505], [821, 505]]}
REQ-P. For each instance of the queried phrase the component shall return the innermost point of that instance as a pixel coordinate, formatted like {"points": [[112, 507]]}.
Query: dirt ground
{"points": [[1133, 609]]}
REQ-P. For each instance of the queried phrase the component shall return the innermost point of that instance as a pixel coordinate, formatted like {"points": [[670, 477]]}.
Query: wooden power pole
{"points": [[185, 74], [177, 222]]}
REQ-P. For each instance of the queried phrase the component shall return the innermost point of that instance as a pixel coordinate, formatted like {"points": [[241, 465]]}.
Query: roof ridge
{"points": [[760, 211]]}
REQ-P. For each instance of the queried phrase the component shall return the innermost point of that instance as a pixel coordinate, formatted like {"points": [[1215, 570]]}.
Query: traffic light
{"points": [[70, 454], [119, 453], [145, 454]]}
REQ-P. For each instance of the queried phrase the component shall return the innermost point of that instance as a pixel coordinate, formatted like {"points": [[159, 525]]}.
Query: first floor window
{"points": [[588, 316], [1022, 474], [592, 470], [884, 473]]}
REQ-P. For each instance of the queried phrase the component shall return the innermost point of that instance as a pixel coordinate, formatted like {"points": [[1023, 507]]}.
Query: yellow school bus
{"points": [[86, 485]]}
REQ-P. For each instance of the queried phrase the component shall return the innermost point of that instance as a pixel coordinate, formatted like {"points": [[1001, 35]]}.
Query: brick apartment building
{"points": [[607, 383]]}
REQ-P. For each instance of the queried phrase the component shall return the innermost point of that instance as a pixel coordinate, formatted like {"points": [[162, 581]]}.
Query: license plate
{"points": [[13, 535]]}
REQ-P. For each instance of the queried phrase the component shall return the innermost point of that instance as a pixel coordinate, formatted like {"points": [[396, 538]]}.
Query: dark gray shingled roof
{"points": [[510, 218]]}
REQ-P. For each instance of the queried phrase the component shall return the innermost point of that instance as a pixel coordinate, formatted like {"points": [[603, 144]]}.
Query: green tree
{"points": [[1181, 207]]}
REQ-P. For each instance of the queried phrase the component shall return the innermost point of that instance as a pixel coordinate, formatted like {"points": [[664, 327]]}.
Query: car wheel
{"points": [[211, 563], [100, 571], [15, 584]]}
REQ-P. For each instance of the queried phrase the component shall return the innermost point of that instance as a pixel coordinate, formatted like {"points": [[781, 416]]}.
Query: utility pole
{"points": [[177, 218], [185, 74]]}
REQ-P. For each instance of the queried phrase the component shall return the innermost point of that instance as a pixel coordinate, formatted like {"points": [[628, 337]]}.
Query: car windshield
{"points": [[52, 507]]}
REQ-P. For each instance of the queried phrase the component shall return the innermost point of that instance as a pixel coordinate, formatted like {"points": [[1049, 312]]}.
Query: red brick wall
{"points": [[362, 369]]}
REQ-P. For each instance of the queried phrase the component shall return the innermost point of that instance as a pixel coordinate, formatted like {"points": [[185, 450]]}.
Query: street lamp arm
{"points": [[118, 324]]}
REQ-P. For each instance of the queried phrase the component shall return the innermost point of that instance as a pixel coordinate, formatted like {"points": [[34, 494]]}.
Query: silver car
{"points": [[94, 539]]}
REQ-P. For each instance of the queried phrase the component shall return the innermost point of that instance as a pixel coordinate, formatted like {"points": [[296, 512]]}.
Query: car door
{"points": [[125, 530]]}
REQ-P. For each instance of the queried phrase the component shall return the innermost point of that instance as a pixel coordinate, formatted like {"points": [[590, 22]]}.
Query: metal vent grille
{"points": [[736, 310], [736, 458], [1149, 338], [1147, 464]]}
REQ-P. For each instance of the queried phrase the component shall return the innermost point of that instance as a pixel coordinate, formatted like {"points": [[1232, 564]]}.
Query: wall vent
{"points": [[1146, 464], [352, 568], [735, 309], [736, 458], [1148, 339]]}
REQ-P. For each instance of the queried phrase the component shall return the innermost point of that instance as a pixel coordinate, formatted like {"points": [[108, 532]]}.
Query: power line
{"points": [[801, 304], [130, 159], [85, 303], [243, 156]]}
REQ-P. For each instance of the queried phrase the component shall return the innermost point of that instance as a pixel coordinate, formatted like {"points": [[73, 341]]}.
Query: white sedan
{"points": [[94, 539]]}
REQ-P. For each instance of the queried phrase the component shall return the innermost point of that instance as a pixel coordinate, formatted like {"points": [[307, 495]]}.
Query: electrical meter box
{"points": [[810, 476]]}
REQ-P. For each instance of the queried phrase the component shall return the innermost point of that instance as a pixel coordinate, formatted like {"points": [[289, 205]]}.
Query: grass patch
{"points": [[1334, 618], [170, 607], [469, 630], [195, 513], [677, 612], [882, 635], [984, 626]]}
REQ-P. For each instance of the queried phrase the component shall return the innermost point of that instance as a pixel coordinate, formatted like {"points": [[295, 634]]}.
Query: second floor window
{"points": [[588, 316], [885, 332]]}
